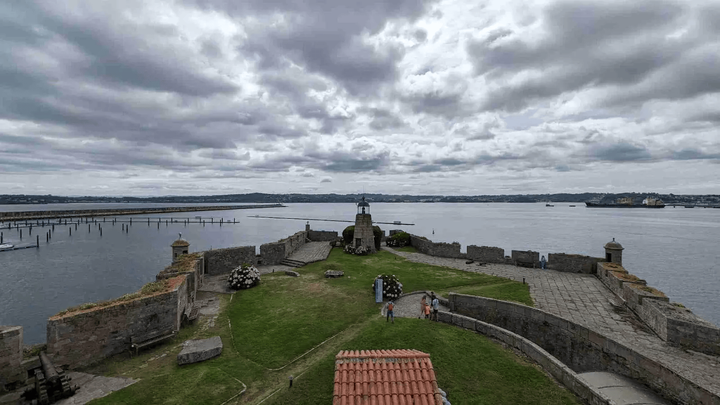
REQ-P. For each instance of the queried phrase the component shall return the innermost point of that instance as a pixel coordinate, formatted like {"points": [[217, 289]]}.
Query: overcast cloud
{"points": [[421, 97]]}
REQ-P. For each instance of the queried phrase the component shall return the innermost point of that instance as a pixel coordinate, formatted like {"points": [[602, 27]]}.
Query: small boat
{"points": [[6, 246], [397, 222], [549, 205]]}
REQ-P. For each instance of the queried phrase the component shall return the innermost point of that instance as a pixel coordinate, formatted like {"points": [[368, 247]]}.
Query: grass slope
{"points": [[470, 367]]}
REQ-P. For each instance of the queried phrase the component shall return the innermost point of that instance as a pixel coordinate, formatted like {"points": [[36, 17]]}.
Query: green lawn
{"points": [[268, 327], [469, 367]]}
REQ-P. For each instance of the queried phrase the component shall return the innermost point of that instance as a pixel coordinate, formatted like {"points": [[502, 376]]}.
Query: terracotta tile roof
{"points": [[385, 377]]}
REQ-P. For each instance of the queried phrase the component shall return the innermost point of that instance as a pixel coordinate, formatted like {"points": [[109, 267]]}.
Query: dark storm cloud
{"points": [[333, 161], [587, 44], [324, 37], [619, 152], [694, 154]]}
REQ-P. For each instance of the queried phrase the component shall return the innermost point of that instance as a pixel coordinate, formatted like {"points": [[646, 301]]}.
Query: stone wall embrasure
{"points": [[486, 254], [526, 258], [221, 261], [322, 236], [439, 249], [11, 355], [580, 348], [573, 263], [549, 363], [82, 338]]}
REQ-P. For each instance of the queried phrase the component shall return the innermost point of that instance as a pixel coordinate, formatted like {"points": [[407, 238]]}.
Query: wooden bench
{"points": [[145, 341]]}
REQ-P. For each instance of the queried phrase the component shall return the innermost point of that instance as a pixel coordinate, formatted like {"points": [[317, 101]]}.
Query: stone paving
{"points": [[584, 300], [408, 305], [93, 387], [312, 252]]}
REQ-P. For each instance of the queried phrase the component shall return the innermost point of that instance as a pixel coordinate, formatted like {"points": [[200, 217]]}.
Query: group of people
{"points": [[429, 310]]}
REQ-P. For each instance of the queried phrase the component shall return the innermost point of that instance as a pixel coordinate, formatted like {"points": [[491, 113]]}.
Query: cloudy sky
{"points": [[391, 96]]}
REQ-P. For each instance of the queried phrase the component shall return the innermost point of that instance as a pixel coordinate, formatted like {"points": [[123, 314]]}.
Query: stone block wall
{"points": [[486, 254], [699, 336], [11, 355], [272, 253], [322, 236], [573, 263], [221, 261], [85, 337], [526, 258], [439, 249], [579, 348]]}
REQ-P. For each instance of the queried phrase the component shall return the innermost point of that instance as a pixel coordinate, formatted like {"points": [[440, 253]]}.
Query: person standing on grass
{"points": [[435, 308], [291, 379], [422, 306], [390, 313], [427, 311]]}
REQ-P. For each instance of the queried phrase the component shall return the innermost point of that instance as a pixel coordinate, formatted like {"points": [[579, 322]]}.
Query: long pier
{"points": [[28, 215], [325, 220]]}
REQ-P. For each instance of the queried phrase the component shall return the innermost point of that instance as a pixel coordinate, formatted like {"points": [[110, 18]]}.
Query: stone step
{"points": [[292, 263]]}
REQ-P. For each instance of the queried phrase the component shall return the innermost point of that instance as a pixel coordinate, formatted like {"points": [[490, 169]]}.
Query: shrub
{"points": [[399, 239], [348, 234], [378, 234], [392, 287], [243, 277]]}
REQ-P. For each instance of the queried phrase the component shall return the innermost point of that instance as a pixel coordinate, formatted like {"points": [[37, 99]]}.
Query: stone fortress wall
{"points": [[671, 322], [11, 354], [576, 346]]}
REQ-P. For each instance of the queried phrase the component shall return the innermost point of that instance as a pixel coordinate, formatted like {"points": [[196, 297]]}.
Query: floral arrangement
{"points": [[360, 250], [392, 287], [243, 277]]}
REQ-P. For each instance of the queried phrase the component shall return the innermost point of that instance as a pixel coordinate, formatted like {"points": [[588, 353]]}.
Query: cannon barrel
{"points": [[48, 369]]}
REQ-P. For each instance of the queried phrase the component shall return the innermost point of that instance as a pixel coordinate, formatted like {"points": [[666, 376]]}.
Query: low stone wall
{"points": [[439, 249], [549, 363], [573, 263], [221, 261], [275, 252], [193, 266], [85, 337], [526, 258], [11, 355], [322, 236], [486, 254], [580, 348]]}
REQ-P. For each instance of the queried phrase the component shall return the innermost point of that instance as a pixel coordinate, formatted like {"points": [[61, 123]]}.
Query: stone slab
{"points": [[93, 387], [334, 274], [622, 390], [195, 351]]}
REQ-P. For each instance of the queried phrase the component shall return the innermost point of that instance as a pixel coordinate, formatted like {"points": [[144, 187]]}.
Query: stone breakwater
{"points": [[32, 215]]}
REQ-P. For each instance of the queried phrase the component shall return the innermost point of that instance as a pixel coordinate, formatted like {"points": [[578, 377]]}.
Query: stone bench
{"points": [[138, 343]]}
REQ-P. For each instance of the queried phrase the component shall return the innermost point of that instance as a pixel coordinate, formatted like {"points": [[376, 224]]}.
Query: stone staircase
{"points": [[292, 263]]}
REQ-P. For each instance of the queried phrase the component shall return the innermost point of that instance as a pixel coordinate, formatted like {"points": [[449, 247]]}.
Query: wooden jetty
{"points": [[326, 220]]}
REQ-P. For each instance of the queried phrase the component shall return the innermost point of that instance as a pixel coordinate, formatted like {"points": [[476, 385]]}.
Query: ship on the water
{"points": [[628, 202]]}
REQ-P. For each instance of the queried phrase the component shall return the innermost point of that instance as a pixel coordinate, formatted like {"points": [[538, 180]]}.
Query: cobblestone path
{"points": [[408, 306], [584, 300], [312, 252]]}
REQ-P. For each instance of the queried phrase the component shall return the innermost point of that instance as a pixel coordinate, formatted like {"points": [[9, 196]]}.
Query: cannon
{"points": [[51, 384]]}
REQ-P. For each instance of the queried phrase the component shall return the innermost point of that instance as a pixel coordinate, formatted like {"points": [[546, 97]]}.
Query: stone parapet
{"points": [[81, 338], [322, 236], [526, 258], [439, 249], [573, 263], [11, 355], [221, 261], [275, 252], [486, 254]]}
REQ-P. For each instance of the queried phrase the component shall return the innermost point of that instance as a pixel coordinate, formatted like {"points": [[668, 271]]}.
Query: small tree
{"points": [[378, 234], [399, 239], [348, 234]]}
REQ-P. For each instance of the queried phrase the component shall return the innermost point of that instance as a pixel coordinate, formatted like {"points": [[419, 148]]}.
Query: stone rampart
{"points": [[580, 348], [85, 337], [573, 263], [673, 323], [486, 254], [275, 252], [221, 261], [192, 265], [11, 355], [439, 249], [525, 258], [322, 236], [548, 362]]}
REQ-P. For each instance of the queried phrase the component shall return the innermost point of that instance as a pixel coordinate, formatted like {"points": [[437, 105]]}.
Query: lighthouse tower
{"points": [[363, 227]]}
